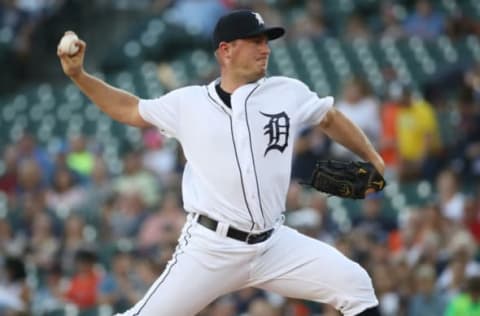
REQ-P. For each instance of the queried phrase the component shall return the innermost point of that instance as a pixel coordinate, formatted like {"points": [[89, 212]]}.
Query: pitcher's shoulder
{"points": [[191, 91], [282, 80]]}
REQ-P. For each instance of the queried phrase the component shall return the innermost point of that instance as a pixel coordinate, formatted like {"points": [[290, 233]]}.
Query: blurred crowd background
{"points": [[90, 210]]}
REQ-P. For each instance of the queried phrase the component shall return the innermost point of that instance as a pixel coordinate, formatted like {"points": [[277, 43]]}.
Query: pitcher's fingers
{"points": [[81, 44]]}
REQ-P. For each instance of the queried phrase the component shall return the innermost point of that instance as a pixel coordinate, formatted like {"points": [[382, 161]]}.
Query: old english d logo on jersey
{"points": [[277, 130]]}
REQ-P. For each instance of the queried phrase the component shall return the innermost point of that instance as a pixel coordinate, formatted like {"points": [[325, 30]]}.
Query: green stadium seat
{"points": [[444, 50], [369, 65], [337, 56], [281, 54], [413, 194], [473, 45], [57, 312]]}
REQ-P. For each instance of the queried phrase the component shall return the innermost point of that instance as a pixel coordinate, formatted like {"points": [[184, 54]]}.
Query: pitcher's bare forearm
{"points": [[342, 130], [118, 104]]}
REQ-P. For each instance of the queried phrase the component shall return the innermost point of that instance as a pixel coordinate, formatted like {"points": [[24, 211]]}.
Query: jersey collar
{"points": [[214, 95]]}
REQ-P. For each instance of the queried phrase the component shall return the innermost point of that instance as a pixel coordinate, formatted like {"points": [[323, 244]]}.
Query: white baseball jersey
{"points": [[238, 158]]}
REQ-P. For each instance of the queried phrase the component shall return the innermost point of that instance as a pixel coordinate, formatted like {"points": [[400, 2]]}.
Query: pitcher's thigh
{"points": [[183, 289], [301, 267]]}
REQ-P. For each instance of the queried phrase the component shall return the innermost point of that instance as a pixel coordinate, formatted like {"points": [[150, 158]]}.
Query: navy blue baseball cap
{"points": [[242, 24]]}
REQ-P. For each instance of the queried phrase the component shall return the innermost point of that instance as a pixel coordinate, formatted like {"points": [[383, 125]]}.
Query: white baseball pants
{"points": [[207, 264]]}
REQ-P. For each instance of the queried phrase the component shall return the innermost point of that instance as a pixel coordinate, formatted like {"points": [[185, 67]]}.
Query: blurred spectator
{"points": [[389, 300], [197, 16], [104, 225], [117, 287], [472, 82], [15, 294], [166, 254], [9, 176], [388, 137], [65, 196], [295, 197], [426, 301], [390, 21], [435, 233], [373, 218], [467, 303], [460, 25], [403, 275], [411, 235], [146, 272], [9, 245], [98, 189], [261, 307], [424, 22], [72, 241], [82, 288], [269, 12], [29, 178], [31, 206], [451, 199], [79, 159], [311, 145], [297, 307], [466, 153], [312, 23], [356, 28], [29, 149], [48, 295], [164, 226], [244, 297], [329, 229], [461, 266], [135, 178], [471, 218], [18, 26], [360, 106], [418, 138], [12, 17], [305, 220], [128, 216], [160, 156], [44, 245], [159, 5], [348, 244], [224, 306]]}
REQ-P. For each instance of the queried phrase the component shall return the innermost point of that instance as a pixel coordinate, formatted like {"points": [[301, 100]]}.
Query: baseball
{"points": [[67, 44]]}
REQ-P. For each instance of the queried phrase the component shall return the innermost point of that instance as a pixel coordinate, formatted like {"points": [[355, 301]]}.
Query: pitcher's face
{"points": [[248, 58]]}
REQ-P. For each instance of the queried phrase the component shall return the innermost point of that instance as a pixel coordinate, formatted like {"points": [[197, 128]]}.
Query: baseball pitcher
{"points": [[237, 134]]}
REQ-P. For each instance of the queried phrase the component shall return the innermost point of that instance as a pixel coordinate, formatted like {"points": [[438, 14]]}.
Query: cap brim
{"points": [[271, 32]]}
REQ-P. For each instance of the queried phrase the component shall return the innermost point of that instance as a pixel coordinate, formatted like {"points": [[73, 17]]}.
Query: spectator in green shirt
{"points": [[466, 304]]}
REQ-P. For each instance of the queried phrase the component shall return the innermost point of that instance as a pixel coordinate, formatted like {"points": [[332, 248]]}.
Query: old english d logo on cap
{"points": [[259, 18]]}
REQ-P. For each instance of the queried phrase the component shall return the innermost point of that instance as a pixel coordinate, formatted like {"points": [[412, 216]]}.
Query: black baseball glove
{"points": [[347, 179]]}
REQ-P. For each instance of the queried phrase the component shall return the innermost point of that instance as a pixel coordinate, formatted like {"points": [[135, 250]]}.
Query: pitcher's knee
{"points": [[359, 293]]}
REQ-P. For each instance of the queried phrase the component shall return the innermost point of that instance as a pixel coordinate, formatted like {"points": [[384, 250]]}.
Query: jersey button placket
{"points": [[245, 157]]}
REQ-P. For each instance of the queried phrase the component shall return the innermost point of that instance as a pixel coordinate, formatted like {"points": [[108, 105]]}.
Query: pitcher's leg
{"points": [[188, 283], [301, 267]]}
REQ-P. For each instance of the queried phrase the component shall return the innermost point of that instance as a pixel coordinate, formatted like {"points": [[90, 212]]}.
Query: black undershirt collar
{"points": [[225, 96]]}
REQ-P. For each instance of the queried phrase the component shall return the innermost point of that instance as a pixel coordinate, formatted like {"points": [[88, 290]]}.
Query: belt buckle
{"points": [[253, 239], [247, 240]]}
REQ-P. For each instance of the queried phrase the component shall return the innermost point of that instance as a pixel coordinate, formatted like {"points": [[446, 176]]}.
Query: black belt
{"points": [[235, 233]]}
